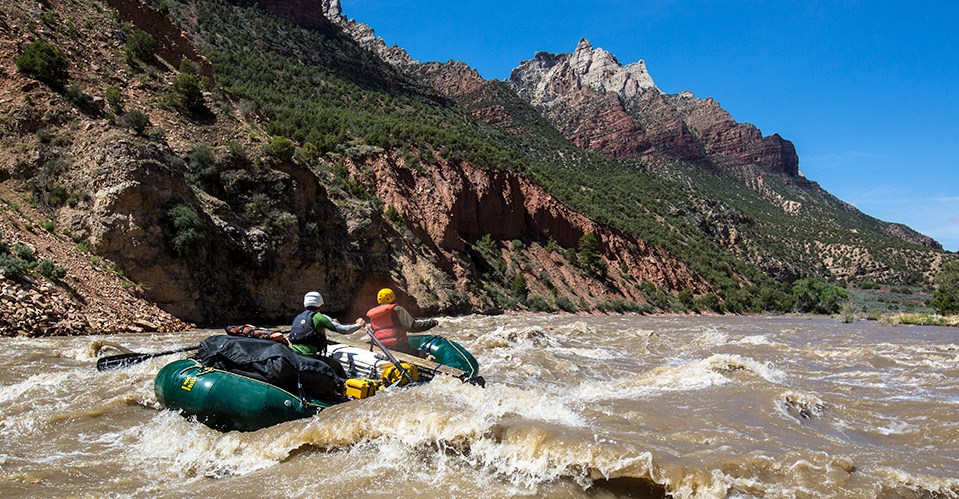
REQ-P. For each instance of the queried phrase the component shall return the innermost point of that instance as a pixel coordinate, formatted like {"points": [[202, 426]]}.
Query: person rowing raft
{"points": [[308, 334], [391, 323]]}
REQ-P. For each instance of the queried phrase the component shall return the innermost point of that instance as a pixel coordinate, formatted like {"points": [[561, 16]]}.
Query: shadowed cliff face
{"points": [[238, 271], [305, 13], [174, 46]]}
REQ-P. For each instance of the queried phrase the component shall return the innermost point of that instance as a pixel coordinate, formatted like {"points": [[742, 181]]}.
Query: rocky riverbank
{"points": [[32, 308], [90, 297]]}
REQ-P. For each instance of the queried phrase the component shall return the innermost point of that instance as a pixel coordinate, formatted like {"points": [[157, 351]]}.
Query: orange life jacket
{"points": [[385, 327]]}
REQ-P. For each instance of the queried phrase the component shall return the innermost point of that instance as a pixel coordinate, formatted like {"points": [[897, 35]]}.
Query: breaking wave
{"points": [[717, 369]]}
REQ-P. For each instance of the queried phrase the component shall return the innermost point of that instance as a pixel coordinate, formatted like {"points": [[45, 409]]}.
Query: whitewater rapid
{"points": [[608, 406]]}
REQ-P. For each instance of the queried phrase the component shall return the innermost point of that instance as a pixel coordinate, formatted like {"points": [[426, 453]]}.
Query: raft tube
{"points": [[227, 401], [446, 352]]}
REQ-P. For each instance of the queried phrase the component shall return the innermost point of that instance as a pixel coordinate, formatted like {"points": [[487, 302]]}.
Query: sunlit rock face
{"points": [[602, 105]]}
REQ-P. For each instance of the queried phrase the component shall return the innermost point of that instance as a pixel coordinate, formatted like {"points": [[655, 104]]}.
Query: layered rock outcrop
{"points": [[452, 78], [728, 143], [237, 270]]}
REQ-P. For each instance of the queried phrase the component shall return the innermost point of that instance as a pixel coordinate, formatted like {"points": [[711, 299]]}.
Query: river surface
{"points": [[598, 406]]}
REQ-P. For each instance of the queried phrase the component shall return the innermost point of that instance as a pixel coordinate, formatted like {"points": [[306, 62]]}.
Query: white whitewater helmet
{"points": [[312, 299]]}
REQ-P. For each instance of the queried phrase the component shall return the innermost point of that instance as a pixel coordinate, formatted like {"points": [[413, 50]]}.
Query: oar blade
{"points": [[128, 359], [120, 361]]}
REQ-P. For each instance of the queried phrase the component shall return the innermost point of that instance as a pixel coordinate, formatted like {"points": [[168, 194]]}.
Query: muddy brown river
{"points": [[603, 406]]}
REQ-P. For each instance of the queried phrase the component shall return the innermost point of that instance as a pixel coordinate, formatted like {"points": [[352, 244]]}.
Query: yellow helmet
{"points": [[385, 295]]}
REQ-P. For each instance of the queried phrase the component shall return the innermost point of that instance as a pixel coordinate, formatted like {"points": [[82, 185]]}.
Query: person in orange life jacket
{"points": [[308, 334], [391, 322]]}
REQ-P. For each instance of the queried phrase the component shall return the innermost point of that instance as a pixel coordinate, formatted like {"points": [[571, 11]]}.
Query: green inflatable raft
{"points": [[228, 401]]}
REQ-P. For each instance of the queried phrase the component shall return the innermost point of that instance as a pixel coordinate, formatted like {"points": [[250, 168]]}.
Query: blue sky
{"points": [[868, 91]]}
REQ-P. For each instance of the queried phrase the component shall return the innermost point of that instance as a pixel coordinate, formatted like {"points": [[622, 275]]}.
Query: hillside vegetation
{"points": [[227, 172], [319, 90]]}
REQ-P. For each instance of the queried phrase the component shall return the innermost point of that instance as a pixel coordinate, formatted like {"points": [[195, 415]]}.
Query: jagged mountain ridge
{"points": [[576, 91]]}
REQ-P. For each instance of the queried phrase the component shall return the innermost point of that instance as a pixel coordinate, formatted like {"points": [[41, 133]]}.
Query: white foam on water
{"points": [[801, 404], [528, 459], [176, 448], [49, 397], [895, 428], [464, 319], [710, 338], [941, 364], [445, 417], [45, 382], [536, 352], [517, 338], [900, 482], [500, 432], [591, 353], [760, 475], [760, 339], [579, 328], [20, 424], [87, 351], [714, 370], [499, 400]]}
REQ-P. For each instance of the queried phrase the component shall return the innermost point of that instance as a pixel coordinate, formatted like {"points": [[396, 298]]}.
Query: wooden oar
{"points": [[396, 363], [128, 359]]}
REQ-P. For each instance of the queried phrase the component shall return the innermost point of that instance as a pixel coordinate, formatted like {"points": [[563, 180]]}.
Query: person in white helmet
{"points": [[308, 334]]}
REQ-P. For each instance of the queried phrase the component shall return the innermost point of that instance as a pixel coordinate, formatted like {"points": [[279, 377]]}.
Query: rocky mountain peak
{"points": [[600, 104], [587, 67], [452, 78]]}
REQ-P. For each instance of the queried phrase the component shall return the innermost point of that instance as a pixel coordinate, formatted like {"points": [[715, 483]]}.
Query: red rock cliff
{"points": [[454, 205]]}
